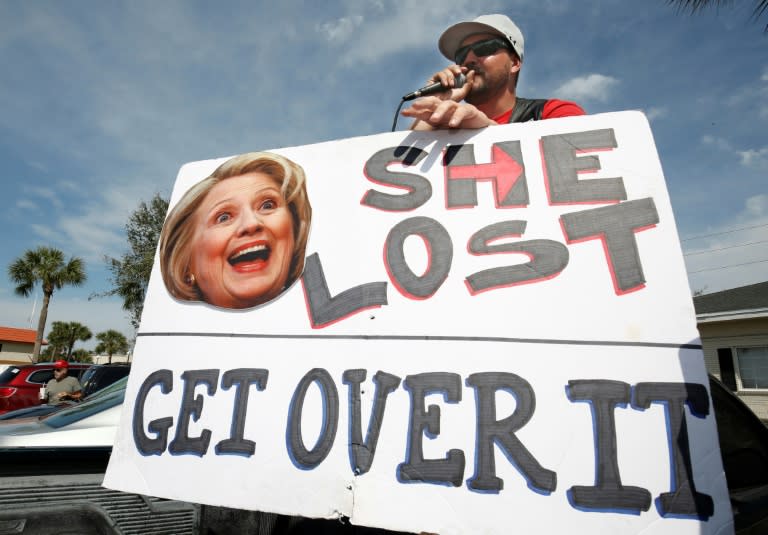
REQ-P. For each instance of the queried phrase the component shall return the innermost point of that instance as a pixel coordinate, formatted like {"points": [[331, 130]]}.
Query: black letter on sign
{"points": [[547, 257], [615, 225], [563, 164], [491, 431], [304, 458], [146, 445], [361, 452], [450, 469], [439, 250], [324, 309], [419, 189], [608, 493], [192, 407], [243, 378], [505, 171], [683, 498]]}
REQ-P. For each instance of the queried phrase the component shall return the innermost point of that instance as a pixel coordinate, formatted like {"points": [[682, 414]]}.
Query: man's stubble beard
{"points": [[488, 88]]}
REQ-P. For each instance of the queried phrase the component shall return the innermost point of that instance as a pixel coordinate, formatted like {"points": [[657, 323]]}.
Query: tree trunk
{"points": [[41, 326]]}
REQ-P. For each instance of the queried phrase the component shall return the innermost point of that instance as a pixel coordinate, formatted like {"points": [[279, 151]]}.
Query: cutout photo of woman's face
{"points": [[243, 242]]}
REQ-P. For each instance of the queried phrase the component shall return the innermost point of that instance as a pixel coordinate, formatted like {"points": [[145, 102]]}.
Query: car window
{"points": [[40, 376], [111, 373], [78, 372], [7, 375], [87, 378], [89, 373], [87, 408], [117, 385], [97, 377]]}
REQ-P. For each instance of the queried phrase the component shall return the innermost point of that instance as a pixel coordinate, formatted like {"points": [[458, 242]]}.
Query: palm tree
{"points": [[761, 6], [111, 342], [65, 334], [52, 351], [44, 265], [80, 355]]}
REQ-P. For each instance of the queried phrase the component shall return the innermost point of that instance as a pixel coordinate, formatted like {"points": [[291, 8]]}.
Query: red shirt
{"points": [[552, 110]]}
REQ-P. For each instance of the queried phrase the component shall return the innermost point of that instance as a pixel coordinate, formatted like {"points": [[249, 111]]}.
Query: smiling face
{"points": [[243, 242]]}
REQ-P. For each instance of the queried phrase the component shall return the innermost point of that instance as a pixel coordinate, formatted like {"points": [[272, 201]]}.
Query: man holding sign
{"points": [[489, 52], [493, 332]]}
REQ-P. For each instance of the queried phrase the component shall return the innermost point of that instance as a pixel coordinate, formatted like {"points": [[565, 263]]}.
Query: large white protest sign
{"points": [[493, 332]]}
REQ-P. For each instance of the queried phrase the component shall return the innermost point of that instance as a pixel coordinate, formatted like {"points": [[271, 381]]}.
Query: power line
{"points": [[729, 266], [724, 248], [724, 232]]}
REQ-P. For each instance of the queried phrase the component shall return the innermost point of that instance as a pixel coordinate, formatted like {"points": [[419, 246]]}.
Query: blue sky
{"points": [[103, 102]]}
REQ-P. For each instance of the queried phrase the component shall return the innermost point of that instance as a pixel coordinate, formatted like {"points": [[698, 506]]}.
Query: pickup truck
{"points": [[51, 469]]}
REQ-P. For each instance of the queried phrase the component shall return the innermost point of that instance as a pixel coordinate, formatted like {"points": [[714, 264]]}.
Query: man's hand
{"points": [[447, 78], [447, 110], [433, 113]]}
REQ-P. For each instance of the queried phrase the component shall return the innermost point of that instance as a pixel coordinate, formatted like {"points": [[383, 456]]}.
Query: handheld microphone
{"points": [[436, 87]]}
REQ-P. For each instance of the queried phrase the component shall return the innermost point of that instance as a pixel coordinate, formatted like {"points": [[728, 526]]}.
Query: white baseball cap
{"points": [[501, 25]]}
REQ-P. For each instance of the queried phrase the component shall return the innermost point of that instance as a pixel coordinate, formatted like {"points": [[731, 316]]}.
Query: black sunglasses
{"points": [[481, 49]]}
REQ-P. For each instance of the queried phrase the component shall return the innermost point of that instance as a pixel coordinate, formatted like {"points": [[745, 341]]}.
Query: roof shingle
{"points": [[743, 298], [12, 334]]}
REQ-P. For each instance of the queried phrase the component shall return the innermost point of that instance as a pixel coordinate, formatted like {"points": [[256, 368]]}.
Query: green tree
{"points": [[52, 351], [130, 273], [111, 342], [81, 355], [44, 266], [65, 334]]}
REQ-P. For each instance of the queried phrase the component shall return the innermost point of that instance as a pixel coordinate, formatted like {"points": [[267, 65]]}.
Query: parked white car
{"points": [[90, 424]]}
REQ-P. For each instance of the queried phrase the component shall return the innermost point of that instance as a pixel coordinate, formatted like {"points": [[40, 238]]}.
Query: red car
{"points": [[20, 385]]}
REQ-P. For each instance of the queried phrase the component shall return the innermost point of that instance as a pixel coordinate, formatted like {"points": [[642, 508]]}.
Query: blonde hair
{"points": [[178, 230]]}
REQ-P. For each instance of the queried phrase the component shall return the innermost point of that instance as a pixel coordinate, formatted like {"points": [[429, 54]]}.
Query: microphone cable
{"points": [[397, 114], [430, 89]]}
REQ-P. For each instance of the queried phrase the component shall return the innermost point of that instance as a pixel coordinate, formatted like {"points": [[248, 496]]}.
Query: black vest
{"points": [[527, 109]]}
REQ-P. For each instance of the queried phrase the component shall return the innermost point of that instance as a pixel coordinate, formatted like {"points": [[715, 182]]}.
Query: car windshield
{"points": [[101, 401]]}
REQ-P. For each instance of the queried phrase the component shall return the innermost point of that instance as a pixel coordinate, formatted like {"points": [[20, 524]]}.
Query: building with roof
{"points": [[734, 333], [16, 345]]}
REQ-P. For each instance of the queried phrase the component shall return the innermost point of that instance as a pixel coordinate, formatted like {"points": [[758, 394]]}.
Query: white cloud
{"points": [[340, 30], [387, 28], [751, 158], [48, 194], [596, 87], [26, 204], [90, 237], [757, 206], [40, 166], [755, 158], [717, 142], [733, 253], [752, 94], [44, 231], [656, 113]]}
